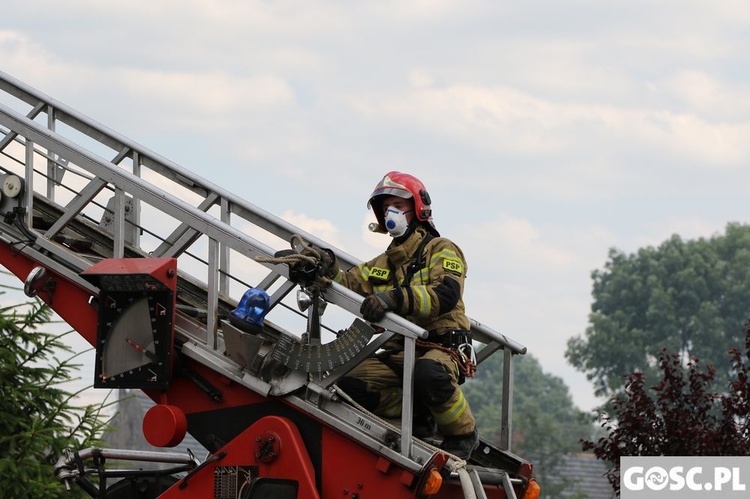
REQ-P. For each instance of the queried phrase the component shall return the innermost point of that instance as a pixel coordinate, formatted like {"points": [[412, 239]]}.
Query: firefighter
{"points": [[420, 276]]}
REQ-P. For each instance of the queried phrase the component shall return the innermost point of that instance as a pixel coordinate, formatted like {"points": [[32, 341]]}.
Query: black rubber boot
{"points": [[461, 446]]}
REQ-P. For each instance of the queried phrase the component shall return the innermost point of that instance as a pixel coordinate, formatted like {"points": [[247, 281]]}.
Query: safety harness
{"points": [[456, 343], [415, 265]]}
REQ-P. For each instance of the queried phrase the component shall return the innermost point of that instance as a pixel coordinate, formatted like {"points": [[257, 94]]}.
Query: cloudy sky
{"points": [[547, 132]]}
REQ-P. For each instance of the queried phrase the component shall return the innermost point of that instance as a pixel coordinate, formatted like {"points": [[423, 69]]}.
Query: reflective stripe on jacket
{"points": [[433, 298]]}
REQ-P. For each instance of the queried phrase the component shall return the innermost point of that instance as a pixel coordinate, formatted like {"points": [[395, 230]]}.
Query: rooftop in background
{"points": [[586, 474]]}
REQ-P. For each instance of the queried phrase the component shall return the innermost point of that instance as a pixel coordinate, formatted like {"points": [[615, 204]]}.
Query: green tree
{"points": [[546, 423], [38, 417], [689, 297]]}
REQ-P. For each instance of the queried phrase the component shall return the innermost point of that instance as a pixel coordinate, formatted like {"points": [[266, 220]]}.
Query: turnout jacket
{"points": [[433, 297]]}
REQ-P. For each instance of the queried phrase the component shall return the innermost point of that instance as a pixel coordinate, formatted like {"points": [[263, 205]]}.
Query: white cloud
{"points": [[321, 228], [510, 121], [22, 56], [547, 132], [417, 10], [213, 93], [709, 96], [187, 101], [517, 244]]}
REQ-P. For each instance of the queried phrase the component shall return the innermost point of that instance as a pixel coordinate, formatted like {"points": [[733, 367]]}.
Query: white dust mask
{"points": [[395, 222]]}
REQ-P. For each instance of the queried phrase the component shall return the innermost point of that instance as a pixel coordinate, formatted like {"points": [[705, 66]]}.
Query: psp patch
{"points": [[379, 274], [453, 265]]}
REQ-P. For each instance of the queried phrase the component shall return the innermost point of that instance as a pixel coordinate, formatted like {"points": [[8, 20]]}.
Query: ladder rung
{"points": [[477, 483]]}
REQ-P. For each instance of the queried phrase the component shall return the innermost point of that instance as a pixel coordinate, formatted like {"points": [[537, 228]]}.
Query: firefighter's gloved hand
{"points": [[377, 304], [329, 264], [300, 271], [311, 265]]}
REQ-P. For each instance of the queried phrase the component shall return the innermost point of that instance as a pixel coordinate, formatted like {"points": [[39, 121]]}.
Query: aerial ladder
{"points": [[148, 261]]}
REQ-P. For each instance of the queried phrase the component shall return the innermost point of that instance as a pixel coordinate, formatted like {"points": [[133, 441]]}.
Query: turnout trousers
{"points": [[376, 384]]}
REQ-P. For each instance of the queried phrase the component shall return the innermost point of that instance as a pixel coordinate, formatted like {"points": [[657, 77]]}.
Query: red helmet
{"points": [[404, 186]]}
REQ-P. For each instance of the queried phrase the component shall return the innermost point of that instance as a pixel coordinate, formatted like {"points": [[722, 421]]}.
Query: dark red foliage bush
{"points": [[681, 416]]}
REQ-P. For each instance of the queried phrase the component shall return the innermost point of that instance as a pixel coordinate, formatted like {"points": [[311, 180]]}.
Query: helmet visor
{"points": [[389, 190]]}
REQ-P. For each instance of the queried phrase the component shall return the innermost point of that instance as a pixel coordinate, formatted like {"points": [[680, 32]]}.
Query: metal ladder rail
{"points": [[208, 357], [213, 195], [142, 157], [64, 217], [107, 173], [231, 206], [126, 182], [97, 183], [141, 192]]}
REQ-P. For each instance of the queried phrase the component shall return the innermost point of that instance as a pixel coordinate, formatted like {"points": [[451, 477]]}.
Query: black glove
{"points": [[377, 304], [305, 271], [299, 271], [329, 264]]}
